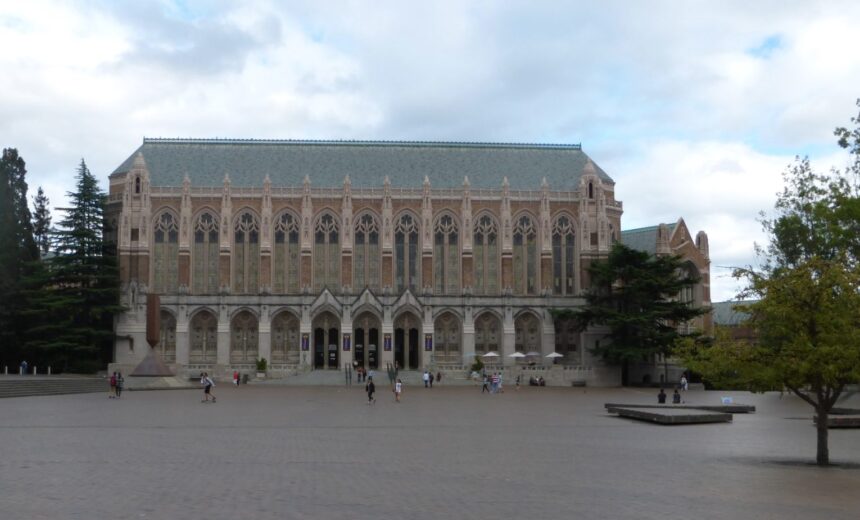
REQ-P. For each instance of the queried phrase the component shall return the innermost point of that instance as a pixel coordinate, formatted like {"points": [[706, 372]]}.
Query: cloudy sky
{"points": [[694, 108]]}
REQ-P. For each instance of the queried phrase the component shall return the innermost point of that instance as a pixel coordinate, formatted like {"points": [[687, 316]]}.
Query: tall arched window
{"points": [[286, 254], [407, 254], [205, 274], [326, 253], [365, 255], [563, 239], [485, 247], [525, 256], [165, 255], [446, 256], [246, 254]]}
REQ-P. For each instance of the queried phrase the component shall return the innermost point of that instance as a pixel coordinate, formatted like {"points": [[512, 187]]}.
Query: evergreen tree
{"points": [[17, 249], [42, 221], [77, 293], [634, 294]]}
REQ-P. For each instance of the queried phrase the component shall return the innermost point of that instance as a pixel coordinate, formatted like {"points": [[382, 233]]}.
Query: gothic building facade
{"points": [[324, 254]]}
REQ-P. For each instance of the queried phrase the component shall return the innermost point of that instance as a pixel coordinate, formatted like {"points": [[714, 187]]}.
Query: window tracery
{"points": [[485, 247], [246, 254], [287, 254], [165, 262], [525, 256], [563, 256], [366, 253], [407, 253], [446, 256], [205, 255], [326, 253]]}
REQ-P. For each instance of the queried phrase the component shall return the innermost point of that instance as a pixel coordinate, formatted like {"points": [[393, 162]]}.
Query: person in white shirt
{"points": [[207, 383], [398, 389]]}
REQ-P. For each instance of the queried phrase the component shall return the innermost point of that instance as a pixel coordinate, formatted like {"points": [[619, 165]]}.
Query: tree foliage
{"points": [[77, 292], [17, 249], [807, 291], [635, 295], [42, 221]]}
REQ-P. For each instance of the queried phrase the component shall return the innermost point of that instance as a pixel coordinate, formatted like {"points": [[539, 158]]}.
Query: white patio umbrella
{"points": [[490, 354], [554, 355], [533, 353], [517, 355]]}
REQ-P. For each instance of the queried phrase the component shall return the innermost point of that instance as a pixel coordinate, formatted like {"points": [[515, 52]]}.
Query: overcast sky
{"points": [[694, 108]]}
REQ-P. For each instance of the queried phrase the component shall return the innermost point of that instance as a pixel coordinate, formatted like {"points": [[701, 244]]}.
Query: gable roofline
{"points": [[367, 163], [362, 142]]}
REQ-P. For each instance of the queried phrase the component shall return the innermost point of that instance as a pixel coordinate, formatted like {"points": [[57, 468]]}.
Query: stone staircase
{"points": [[26, 386]]}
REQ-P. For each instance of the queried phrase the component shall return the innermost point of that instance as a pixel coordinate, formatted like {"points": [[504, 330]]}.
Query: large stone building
{"points": [[319, 254]]}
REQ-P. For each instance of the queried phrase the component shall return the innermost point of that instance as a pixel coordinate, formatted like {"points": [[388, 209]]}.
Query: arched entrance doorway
{"points": [[488, 334], [407, 348], [446, 336], [285, 338], [167, 343], [527, 333], [365, 336], [204, 338], [326, 341], [243, 338]]}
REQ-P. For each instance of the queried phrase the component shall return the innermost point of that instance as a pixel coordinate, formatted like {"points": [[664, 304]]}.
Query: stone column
{"points": [[264, 336], [346, 356], [306, 359], [427, 328], [547, 340], [183, 339], [386, 357], [467, 342], [223, 357], [508, 337]]}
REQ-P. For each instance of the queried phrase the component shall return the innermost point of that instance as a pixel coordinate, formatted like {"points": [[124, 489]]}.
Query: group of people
{"points": [[492, 383], [370, 388], [537, 381], [116, 384], [428, 378], [684, 385]]}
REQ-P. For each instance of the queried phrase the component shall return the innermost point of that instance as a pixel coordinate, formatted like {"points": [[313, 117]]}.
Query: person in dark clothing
{"points": [[370, 388], [486, 387], [661, 397], [676, 397]]}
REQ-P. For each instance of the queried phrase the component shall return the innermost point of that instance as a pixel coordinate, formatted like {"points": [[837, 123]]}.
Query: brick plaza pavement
{"points": [[266, 452]]}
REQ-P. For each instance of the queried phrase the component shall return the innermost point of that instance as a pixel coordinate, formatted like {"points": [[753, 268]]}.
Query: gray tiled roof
{"points": [[725, 314], [644, 239], [367, 163]]}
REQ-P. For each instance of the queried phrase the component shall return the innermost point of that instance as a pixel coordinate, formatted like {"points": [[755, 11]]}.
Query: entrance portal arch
{"points": [[446, 335], [243, 338], [365, 336], [204, 338], [407, 347], [326, 341], [285, 338]]}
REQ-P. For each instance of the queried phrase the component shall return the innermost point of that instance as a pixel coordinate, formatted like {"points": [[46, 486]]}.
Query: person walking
{"points": [[684, 383], [426, 379], [207, 383], [438, 376], [120, 382], [398, 389], [236, 378], [517, 384], [486, 385], [370, 388], [112, 391], [430, 378]]}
